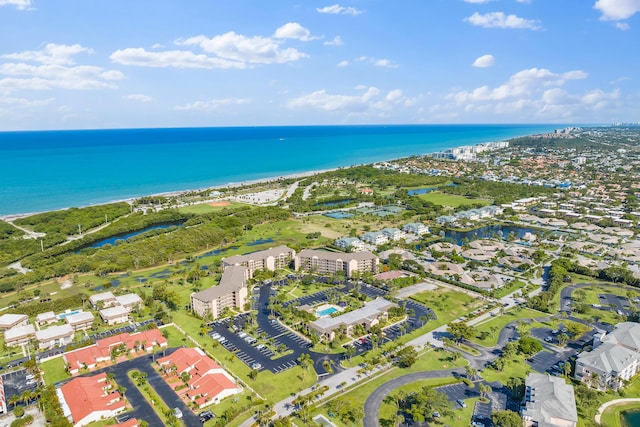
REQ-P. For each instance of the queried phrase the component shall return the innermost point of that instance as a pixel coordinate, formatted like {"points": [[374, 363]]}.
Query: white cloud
{"points": [[615, 10], [532, 93], [484, 61], [371, 101], [170, 58], [523, 83], [51, 54], [138, 97], [337, 41], [55, 68], [228, 50], [622, 26], [343, 64], [385, 63], [212, 104], [336, 9], [20, 4], [500, 20], [293, 30], [25, 103]]}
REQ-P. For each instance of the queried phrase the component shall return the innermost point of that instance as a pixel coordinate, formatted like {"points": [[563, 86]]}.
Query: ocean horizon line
{"points": [[271, 126]]}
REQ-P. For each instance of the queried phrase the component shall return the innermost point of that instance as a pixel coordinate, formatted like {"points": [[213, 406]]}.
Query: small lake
{"points": [[489, 231], [418, 191], [124, 236], [631, 419]]}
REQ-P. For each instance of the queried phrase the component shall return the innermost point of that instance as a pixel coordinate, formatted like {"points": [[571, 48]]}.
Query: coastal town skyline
{"points": [[88, 65]]}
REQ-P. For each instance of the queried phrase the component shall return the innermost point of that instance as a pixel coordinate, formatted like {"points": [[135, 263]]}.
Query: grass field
{"points": [[485, 331], [54, 371], [447, 304], [387, 410], [612, 416], [453, 200], [514, 368]]}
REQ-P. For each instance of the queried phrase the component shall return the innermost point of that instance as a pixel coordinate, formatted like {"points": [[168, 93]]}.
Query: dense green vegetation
{"points": [[66, 221], [8, 231], [199, 233], [501, 192]]}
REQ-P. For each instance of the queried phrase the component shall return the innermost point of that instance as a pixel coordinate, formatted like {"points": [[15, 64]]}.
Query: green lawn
{"points": [[612, 416], [54, 371], [447, 304], [387, 410], [488, 331], [514, 368], [453, 200]]}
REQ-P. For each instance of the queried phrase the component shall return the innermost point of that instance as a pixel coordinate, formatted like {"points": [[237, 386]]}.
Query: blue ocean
{"points": [[47, 170]]}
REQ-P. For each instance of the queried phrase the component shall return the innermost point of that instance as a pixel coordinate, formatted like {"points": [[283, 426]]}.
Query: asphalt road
{"points": [[373, 402]]}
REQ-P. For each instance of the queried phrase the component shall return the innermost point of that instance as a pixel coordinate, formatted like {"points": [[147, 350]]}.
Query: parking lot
{"points": [[616, 303], [254, 353], [17, 382]]}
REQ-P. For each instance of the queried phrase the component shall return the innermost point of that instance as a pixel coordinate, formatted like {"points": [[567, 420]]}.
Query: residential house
{"points": [[80, 321], [350, 243], [207, 382], [102, 300], [20, 335], [114, 315], [89, 357], [54, 336], [374, 237], [46, 318], [416, 228], [88, 399], [8, 321]]}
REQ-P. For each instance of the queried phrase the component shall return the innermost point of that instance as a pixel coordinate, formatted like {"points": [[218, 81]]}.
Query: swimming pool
{"points": [[326, 312], [61, 316]]}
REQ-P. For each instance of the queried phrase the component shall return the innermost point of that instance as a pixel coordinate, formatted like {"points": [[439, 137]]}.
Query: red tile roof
{"points": [[101, 350], [85, 395], [207, 377]]}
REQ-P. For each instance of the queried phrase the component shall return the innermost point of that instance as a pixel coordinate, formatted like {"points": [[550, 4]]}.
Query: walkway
{"points": [[602, 408]]}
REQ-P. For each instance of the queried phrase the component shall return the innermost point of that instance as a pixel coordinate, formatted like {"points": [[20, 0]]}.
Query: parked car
{"points": [[461, 403]]}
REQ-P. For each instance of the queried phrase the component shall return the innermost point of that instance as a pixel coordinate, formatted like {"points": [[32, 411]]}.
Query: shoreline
{"points": [[229, 185]]}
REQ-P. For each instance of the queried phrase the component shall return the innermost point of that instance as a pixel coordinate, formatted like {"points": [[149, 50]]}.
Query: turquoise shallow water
{"points": [[49, 170]]}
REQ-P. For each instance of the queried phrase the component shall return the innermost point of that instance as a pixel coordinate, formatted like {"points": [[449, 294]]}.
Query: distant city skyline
{"points": [[115, 64]]}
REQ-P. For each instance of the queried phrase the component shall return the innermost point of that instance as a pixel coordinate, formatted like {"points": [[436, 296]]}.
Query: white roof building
{"points": [[548, 402], [8, 321]]}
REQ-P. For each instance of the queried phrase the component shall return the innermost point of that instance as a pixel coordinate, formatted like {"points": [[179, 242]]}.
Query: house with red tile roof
{"points": [[207, 382], [88, 399], [100, 352]]}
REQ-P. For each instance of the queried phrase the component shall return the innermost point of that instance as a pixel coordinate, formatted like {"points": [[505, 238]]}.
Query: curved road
{"points": [[373, 402]]}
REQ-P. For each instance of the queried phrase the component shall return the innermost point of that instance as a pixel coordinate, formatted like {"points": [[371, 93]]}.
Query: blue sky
{"points": [[67, 64]]}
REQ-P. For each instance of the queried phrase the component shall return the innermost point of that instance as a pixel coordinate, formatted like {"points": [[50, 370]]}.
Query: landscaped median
{"points": [[165, 413]]}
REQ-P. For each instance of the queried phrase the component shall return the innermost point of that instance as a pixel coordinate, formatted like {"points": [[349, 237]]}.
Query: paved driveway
{"points": [[142, 409]]}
